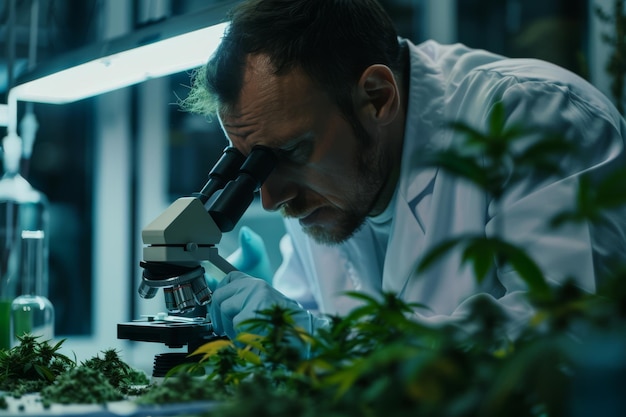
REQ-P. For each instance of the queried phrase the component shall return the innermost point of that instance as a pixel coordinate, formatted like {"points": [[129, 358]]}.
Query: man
{"points": [[350, 109]]}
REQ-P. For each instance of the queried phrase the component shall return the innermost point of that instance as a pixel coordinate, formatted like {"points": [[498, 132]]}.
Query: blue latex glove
{"points": [[251, 257], [238, 297]]}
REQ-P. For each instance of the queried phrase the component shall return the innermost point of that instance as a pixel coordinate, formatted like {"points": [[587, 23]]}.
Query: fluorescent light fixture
{"points": [[124, 68], [177, 44]]}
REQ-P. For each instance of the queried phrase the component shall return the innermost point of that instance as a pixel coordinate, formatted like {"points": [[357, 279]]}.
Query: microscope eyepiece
{"points": [[236, 197], [224, 170]]}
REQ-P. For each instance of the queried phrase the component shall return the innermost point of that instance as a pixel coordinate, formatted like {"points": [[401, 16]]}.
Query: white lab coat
{"points": [[457, 83]]}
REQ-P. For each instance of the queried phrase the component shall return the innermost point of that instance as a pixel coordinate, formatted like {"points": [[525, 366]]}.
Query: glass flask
{"points": [[22, 207], [31, 312]]}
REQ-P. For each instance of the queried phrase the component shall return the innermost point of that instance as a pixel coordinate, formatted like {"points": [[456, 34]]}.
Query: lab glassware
{"points": [[31, 312], [22, 207]]}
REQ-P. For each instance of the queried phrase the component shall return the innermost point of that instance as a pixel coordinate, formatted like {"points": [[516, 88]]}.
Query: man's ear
{"points": [[378, 96]]}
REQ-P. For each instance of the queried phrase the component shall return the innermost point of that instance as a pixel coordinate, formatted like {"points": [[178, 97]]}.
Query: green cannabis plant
{"points": [[118, 373], [37, 366], [31, 365]]}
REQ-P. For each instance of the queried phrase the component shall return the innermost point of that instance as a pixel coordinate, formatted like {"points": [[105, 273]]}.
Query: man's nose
{"points": [[277, 190]]}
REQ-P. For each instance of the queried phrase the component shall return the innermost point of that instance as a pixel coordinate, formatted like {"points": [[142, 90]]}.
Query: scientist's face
{"points": [[328, 176]]}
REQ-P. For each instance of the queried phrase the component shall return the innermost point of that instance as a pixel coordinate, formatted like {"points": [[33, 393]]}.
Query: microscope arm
{"points": [[187, 232]]}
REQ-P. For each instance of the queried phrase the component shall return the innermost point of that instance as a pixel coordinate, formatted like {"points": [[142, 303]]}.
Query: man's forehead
{"points": [[273, 109], [270, 133], [266, 95]]}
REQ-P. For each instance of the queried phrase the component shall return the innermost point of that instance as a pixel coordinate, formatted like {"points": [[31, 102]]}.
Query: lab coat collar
{"points": [[424, 119], [423, 129]]}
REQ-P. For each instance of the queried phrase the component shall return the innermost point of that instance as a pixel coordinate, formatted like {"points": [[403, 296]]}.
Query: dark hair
{"points": [[333, 41]]}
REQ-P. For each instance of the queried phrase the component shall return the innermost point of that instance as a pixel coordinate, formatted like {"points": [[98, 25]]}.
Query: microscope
{"points": [[181, 246]]}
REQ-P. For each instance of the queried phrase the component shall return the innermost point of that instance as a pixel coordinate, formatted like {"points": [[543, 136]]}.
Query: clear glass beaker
{"points": [[21, 208], [31, 312]]}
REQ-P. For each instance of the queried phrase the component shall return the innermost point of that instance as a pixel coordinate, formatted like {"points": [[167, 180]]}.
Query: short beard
{"points": [[350, 224], [369, 181]]}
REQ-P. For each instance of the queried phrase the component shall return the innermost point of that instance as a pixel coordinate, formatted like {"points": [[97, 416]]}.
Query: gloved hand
{"points": [[251, 257], [238, 297]]}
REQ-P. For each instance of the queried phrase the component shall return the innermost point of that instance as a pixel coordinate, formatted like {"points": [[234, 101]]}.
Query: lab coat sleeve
{"points": [[550, 102], [580, 252]]}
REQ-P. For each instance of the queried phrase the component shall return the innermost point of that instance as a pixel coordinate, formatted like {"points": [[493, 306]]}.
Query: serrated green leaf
{"points": [[480, 253], [526, 267], [44, 372]]}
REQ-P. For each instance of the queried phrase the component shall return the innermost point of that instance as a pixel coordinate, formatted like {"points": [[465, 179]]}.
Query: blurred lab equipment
{"points": [[181, 248], [32, 312], [22, 207]]}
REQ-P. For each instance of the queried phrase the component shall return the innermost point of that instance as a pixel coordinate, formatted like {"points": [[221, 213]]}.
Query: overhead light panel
{"points": [[177, 44]]}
